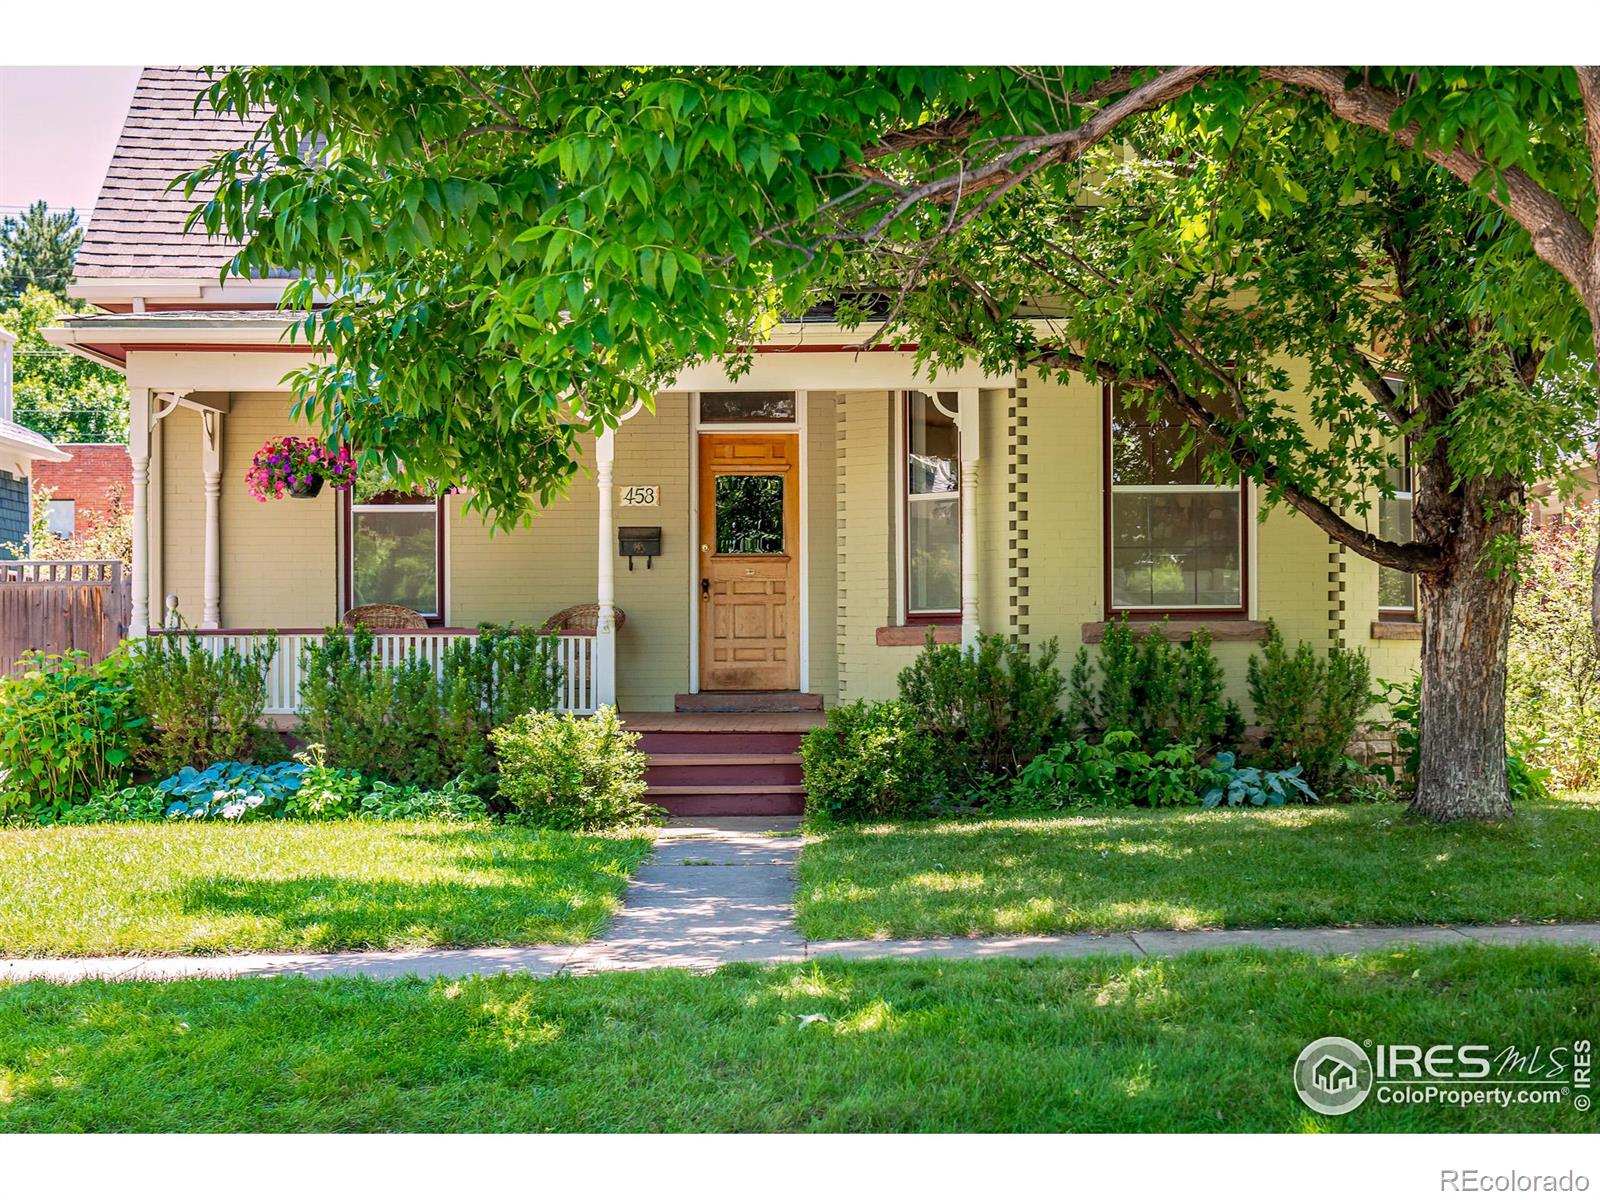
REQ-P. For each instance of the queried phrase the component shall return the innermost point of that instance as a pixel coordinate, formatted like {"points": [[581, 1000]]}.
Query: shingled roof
{"points": [[137, 227]]}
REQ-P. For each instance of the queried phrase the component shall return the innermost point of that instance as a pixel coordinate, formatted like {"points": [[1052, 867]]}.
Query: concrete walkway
{"points": [[721, 890], [717, 890]]}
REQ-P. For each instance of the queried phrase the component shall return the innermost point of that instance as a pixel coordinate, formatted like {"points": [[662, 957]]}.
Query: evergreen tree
{"points": [[37, 250]]}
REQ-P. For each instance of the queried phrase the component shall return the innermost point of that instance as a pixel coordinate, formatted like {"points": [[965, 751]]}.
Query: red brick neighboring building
{"points": [[82, 488]]}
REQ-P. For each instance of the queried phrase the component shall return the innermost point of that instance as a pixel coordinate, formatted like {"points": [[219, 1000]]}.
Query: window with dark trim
{"points": [[1397, 590], [1175, 543], [394, 551], [931, 507], [748, 408]]}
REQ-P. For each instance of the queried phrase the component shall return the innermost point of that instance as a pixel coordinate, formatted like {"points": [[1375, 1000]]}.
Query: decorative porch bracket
{"points": [[968, 423]]}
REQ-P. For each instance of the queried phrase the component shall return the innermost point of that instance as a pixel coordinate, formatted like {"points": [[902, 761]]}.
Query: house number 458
{"points": [[641, 496]]}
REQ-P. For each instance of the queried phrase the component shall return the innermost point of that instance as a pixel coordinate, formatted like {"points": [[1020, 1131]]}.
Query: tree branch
{"points": [[1559, 237], [1058, 147], [1377, 386], [1415, 557]]}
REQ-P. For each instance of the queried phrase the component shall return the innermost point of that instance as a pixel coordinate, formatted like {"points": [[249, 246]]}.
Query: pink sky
{"points": [[58, 126]]}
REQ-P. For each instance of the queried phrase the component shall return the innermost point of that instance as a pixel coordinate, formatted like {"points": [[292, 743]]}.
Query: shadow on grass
{"points": [[468, 888], [1130, 870], [325, 912], [285, 885], [1198, 1044]]}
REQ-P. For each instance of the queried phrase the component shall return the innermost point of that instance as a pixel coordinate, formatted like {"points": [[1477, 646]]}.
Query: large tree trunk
{"points": [[1466, 623]]}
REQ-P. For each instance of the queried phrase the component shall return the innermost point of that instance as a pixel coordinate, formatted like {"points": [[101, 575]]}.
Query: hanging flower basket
{"points": [[298, 467]]}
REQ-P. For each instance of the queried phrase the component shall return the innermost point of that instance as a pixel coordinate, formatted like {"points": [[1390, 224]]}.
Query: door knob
{"points": [[705, 589]]}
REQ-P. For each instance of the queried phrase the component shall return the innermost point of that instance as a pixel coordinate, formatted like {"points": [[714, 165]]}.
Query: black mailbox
{"points": [[643, 541]]}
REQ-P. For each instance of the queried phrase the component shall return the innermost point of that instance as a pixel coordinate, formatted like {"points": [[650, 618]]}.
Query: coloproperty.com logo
{"points": [[1335, 1075]]}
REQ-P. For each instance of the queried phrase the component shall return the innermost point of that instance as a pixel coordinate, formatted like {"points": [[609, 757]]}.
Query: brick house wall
{"points": [[86, 480], [13, 510]]}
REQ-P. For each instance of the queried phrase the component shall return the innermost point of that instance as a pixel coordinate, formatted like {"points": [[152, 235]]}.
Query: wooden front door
{"points": [[749, 562]]}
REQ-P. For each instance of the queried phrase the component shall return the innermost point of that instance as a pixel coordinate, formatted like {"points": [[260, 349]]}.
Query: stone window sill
{"points": [[1397, 631], [916, 635], [1221, 630]]}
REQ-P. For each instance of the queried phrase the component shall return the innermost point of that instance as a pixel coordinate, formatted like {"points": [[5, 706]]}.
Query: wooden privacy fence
{"points": [[54, 606]]}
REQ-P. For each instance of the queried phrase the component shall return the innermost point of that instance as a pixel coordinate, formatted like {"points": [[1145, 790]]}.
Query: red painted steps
{"points": [[724, 764]]}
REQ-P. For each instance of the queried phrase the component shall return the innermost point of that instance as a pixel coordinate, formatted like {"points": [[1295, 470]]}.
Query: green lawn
{"points": [[1203, 1042], [288, 885], [1190, 869]]}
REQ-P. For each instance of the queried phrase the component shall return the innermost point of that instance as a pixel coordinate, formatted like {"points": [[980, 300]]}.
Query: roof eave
{"points": [[23, 448]]}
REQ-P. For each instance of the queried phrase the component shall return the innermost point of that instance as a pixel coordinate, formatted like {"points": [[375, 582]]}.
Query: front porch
{"points": [[853, 559], [575, 658], [741, 758]]}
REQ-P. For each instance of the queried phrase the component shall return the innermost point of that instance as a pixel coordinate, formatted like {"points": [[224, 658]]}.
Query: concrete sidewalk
{"points": [[721, 890], [647, 947]]}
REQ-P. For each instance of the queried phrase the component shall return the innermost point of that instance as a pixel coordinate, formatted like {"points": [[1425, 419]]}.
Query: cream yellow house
{"points": [[795, 533]]}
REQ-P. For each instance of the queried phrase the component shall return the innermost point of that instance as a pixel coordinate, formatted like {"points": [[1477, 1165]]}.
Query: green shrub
{"points": [[325, 793], [1403, 699], [1309, 706], [1162, 691], [870, 760], [1526, 781], [990, 708], [231, 791], [1553, 664], [506, 671], [409, 724], [405, 802], [1114, 771], [200, 707], [1527, 774], [67, 730], [375, 719], [569, 772], [1237, 785], [138, 803]]}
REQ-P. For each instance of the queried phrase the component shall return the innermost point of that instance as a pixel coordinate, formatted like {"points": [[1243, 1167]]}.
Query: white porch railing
{"points": [[62, 570], [574, 655]]}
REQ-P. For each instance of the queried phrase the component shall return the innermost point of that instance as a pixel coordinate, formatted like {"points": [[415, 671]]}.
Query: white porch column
{"points": [[605, 634], [139, 453], [967, 422], [211, 470]]}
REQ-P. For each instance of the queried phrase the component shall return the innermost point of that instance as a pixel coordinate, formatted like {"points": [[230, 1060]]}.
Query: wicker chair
{"points": [[385, 616], [580, 616]]}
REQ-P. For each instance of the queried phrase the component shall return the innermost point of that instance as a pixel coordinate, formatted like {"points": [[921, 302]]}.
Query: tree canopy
{"points": [[514, 254], [57, 394]]}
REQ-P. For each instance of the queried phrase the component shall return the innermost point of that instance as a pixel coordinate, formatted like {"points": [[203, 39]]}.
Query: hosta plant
{"points": [[1238, 785], [231, 791]]}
